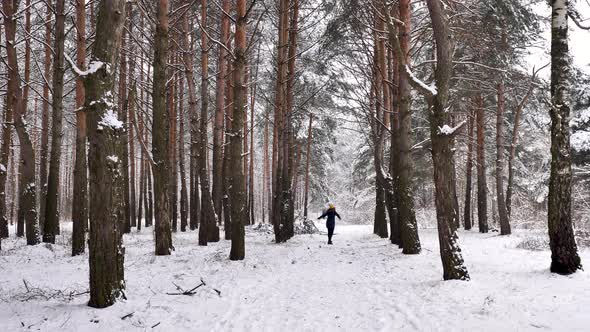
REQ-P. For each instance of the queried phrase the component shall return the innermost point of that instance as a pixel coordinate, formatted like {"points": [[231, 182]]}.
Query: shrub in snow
{"points": [[535, 243], [263, 228], [306, 227]]}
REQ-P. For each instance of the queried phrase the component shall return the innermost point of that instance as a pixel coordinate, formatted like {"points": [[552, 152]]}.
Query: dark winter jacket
{"points": [[331, 214]]}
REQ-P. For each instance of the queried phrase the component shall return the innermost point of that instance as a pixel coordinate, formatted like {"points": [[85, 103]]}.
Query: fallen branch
{"points": [[127, 316], [35, 293], [189, 292]]}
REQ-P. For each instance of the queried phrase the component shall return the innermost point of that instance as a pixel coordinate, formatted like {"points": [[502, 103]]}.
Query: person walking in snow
{"points": [[331, 222]]}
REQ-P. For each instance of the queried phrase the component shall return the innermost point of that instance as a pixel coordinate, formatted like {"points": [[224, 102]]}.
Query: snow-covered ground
{"points": [[360, 283]]}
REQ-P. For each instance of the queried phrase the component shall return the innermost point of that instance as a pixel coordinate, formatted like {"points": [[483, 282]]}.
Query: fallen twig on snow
{"points": [[189, 292], [127, 316], [34, 293]]}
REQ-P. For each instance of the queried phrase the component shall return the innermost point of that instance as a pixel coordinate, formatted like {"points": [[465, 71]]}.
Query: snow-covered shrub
{"points": [[262, 228], [306, 226], [534, 242]]}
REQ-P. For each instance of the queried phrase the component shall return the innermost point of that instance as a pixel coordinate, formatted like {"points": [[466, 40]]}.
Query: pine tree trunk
{"points": [[220, 106], [13, 186], [237, 177], [21, 213], [392, 194], [51, 224], [131, 117], [181, 143], [148, 195], [16, 102], [442, 142], [564, 251], [252, 218], [195, 210], [209, 231], [131, 112], [280, 146], [106, 187], [482, 196], [171, 104], [442, 156], [468, 223], [267, 175], [142, 178], [410, 240], [160, 133], [45, 120], [502, 212], [4, 159], [377, 113], [246, 151], [80, 203], [123, 111], [227, 224], [307, 162], [143, 202], [380, 225]]}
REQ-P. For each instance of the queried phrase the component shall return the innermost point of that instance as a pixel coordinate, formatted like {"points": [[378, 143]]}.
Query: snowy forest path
{"points": [[317, 284], [362, 282]]}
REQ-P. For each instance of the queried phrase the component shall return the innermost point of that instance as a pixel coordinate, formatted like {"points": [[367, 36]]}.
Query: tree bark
{"points": [[281, 132], [236, 172], [123, 111], [220, 106], [195, 210], [502, 212], [131, 113], [51, 225], [289, 146], [16, 102], [80, 202], [160, 134], [45, 119], [183, 189], [442, 142], [209, 231], [307, 162], [482, 195], [227, 224], [21, 213], [105, 178], [267, 198], [4, 159], [142, 180], [410, 240], [132, 95], [442, 156], [252, 218], [381, 104], [468, 223], [564, 251], [171, 105]]}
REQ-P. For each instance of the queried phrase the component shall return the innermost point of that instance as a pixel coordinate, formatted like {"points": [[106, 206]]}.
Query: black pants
{"points": [[330, 233]]}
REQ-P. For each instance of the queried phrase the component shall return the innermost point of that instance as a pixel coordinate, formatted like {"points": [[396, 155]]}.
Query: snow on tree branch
{"points": [[93, 66], [577, 18], [430, 88], [448, 130]]}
